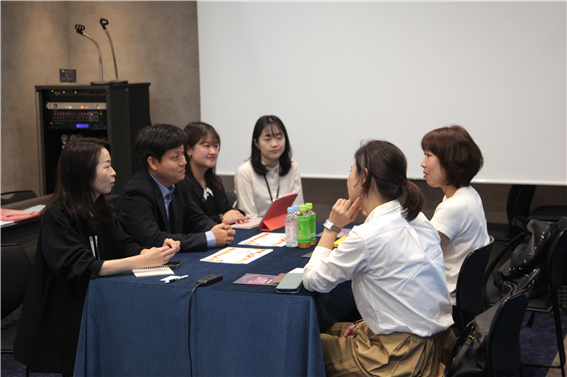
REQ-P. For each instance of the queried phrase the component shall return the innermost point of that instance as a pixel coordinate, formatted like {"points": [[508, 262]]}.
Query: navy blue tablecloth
{"points": [[139, 326]]}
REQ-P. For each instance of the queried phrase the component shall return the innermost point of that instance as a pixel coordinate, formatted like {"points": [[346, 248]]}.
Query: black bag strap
{"points": [[513, 243], [520, 222], [449, 372]]}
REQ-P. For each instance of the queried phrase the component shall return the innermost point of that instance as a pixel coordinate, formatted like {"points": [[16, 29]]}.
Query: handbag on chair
{"points": [[530, 253], [470, 355]]}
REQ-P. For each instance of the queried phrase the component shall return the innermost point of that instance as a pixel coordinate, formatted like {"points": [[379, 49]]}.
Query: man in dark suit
{"points": [[155, 204]]}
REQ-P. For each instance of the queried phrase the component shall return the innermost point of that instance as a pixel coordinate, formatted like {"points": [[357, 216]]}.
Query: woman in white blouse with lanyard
{"points": [[270, 172], [398, 278]]}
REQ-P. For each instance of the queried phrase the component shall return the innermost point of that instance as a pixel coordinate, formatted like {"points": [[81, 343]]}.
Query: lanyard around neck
{"points": [[94, 246], [270, 191]]}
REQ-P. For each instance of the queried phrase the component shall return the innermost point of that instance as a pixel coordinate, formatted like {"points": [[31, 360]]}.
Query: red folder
{"points": [[17, 215], [275, 217]]}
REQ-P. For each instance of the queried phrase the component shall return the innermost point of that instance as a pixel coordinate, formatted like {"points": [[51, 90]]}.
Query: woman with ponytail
{"points": [[396, 266], [451, 160]]}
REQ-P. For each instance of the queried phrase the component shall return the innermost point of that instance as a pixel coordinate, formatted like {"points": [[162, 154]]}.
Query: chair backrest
{"points": [[504, 340], [469, 281], [231, 196], [556, 259], [16, 196], [518, 204], [16, 269], [504, 335]]}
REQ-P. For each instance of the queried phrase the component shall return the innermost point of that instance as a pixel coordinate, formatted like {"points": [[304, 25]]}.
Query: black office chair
{"points": [[504, 356], [490, 344], [469, 284], [16, 196], [490, 293], [550, 302], [16, 269], [518, 204]]}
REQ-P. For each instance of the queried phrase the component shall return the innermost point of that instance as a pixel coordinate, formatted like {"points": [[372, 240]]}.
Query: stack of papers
{"points": [[236, 255], [266, 240]]}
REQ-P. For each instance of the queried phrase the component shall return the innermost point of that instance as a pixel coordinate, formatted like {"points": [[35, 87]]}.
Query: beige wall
{"points": [[154, 41], [35, 45]]}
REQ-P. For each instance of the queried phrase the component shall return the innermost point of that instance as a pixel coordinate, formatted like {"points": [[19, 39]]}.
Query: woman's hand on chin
{"points": [[344, 212]]}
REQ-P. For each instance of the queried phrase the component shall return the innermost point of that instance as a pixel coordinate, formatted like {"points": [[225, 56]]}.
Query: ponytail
{"points": [[414, 200], [387, 166]]}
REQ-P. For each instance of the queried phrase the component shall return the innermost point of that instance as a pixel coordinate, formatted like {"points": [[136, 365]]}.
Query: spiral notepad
{"points": [[152, 271]]}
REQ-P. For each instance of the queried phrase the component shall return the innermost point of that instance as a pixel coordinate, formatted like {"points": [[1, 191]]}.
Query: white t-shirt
{"points": [[461, 218], [253, 193], [397, 273]]}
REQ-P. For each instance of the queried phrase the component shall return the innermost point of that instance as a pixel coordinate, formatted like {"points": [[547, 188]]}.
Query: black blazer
{"points": [[48, 329], [143, 215]]}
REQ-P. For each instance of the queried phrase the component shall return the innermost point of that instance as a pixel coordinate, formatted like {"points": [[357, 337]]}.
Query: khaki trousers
{"points": [[396, 354]]}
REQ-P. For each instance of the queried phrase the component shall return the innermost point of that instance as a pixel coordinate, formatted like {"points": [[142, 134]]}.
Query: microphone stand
{"points": [[104, 22], [81, 30]]}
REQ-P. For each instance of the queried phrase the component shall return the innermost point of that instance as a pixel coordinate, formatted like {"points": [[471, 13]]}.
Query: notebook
{"points": [[152, 271]]}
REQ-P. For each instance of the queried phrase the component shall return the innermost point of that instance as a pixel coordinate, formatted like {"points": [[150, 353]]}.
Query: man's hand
{"points": [[223, 234]]}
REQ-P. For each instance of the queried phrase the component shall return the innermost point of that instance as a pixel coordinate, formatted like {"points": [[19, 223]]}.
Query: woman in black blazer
{"points": [[202, 149], [80, 239]]}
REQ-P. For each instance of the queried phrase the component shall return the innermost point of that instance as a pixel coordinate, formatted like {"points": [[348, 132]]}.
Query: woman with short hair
{"points": [[451, 160]]}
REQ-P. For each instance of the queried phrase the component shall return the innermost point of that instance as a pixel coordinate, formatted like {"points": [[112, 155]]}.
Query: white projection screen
{"points": [[338, 73]]}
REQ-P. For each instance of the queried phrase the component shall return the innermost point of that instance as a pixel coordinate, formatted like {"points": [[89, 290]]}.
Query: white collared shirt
{"points": [[252, 192], [397, 273]]}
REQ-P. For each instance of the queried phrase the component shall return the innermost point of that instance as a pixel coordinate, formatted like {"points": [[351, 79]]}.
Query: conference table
{"points": [[140, 326]]}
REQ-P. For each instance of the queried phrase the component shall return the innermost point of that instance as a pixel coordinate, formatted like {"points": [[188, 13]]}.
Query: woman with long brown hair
{"points": [[80, 239], [269, 172], [202, 149]]}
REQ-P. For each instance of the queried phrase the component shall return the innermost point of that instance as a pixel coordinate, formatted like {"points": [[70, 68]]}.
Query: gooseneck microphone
{"points": [[81, 30], [103, 23]]}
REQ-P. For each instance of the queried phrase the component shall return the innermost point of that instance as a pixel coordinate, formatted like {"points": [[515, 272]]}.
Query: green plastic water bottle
{"points": [[303, 239], [312, 223]]}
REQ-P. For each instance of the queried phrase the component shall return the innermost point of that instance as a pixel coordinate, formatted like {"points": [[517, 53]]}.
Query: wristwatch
{"points": [[331, 226]]}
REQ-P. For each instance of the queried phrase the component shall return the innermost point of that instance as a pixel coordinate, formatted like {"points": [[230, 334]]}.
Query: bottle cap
{"points": [[296, 207], [303, 208], [309, 205], [290, 210]]}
